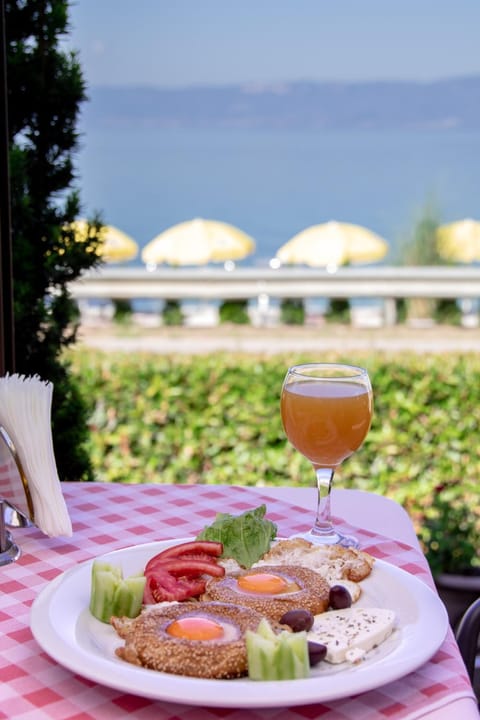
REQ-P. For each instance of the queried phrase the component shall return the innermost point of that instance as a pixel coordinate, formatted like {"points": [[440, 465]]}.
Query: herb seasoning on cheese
{"points": [[349, 634]]}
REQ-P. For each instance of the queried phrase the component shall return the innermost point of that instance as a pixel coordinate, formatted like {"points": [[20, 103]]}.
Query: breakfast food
{"points": [[178, 573], [339, 598], [298, 620], [205, 640], [245, 537], [338, 565], [205, 615], [349, 634], [272, 590], [276, 656], [112, 594]]}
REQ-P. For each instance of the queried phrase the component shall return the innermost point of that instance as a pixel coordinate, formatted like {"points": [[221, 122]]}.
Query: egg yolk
{"points": [[265, 584], [195, 628]]}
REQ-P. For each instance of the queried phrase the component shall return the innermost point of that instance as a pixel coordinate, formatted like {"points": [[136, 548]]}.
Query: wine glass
{"points": [[326, 413]]}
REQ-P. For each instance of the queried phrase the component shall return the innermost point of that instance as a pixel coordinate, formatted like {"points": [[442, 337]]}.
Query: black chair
{"points": [[467, 636]]}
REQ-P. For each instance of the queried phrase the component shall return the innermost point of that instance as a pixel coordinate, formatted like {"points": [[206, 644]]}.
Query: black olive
{"points": [[316, 652], [298, 620], [339, 598]]}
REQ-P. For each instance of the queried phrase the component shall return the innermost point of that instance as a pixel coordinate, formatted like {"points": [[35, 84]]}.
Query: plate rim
{"points": [[203, 692]]}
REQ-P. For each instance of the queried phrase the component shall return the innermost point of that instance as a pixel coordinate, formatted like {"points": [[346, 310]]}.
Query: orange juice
{"points": [[326, 421]]}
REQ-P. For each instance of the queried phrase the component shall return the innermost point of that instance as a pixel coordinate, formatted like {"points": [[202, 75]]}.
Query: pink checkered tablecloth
{"points": [[107, 517]]}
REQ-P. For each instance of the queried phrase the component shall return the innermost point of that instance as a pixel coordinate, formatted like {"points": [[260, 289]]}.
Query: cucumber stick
{"points": [[112, 594], [276, 657]]}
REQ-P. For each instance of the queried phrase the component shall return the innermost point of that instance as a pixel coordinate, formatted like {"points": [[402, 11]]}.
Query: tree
{"points": [[45, 91], [419, 248]]}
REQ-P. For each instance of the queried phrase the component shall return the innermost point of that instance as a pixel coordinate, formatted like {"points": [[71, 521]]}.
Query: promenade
{"points": [[265, 286], [441, 339]]}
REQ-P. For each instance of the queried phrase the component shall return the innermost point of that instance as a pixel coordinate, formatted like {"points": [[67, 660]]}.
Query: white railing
{"points": [[383, 283]]}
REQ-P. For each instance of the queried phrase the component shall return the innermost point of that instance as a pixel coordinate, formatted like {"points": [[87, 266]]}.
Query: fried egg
{"points": [[204, 640], [338, 565], [271, 590]]}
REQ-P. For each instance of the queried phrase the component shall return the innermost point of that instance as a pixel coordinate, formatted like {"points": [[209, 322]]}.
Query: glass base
{"points": [[10, 551], [332, 538]]}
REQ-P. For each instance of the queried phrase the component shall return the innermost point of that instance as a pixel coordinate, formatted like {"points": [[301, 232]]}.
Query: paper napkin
{"points": [[25, 413]]}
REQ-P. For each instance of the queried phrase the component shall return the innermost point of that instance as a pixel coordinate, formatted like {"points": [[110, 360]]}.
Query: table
{"points": [[106, 517]]}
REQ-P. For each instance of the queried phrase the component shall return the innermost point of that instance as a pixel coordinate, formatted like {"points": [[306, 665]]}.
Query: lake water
{"points": [[274, 184]]}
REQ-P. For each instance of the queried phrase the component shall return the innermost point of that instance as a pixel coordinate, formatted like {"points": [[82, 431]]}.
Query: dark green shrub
{"points": [[448, 312], [338, 311], [401, 309], [122, 311], [451, 535], [292, 311], [234, 311], [172, 313]]}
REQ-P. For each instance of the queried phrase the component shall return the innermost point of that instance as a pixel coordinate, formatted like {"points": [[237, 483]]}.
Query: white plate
{"points": [[63, 627]]}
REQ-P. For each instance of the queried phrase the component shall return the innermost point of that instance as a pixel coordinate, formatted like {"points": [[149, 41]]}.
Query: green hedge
{"points": [[215, 419]]}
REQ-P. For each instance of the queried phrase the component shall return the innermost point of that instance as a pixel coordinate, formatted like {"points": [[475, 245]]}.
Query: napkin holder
{"points": [[16, 506]]}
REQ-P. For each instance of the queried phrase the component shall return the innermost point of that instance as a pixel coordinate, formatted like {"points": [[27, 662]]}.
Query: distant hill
{"points": [[452, 104]]}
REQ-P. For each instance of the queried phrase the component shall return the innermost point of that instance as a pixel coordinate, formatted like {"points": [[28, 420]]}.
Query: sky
{"points": [[220, 42]]}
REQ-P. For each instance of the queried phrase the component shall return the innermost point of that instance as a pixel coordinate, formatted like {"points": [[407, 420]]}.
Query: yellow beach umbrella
{"points": [[459, 241], [333, 244], [116, 246], [198, 242]]}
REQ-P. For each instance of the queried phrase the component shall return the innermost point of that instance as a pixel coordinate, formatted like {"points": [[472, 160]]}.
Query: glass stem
{"points": [[323, 527]]}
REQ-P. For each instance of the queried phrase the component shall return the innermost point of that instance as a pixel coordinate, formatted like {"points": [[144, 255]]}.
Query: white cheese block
{"points": [[349, 634]]}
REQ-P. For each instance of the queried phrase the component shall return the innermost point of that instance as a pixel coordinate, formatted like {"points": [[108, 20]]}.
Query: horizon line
{"points": [[279, 85]]}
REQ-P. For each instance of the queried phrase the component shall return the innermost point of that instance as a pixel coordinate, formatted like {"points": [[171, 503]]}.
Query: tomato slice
{"points": [[178, 572], [209, 547], [201, 549], [155, 562], [187, 567], [163, 587]]}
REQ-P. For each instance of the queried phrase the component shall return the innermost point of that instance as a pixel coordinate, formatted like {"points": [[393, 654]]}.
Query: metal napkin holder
{"points": [[16, 506]]}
